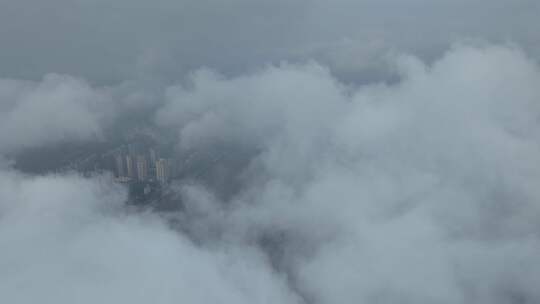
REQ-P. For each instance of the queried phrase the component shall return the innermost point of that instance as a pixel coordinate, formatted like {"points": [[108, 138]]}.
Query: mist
{"points": [[344, 153]]}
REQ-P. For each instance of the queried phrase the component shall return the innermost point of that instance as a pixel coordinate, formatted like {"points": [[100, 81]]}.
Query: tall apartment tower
{"points": [[130, 166], [142, 168], [120, 165], [153, 156], [162, 170]]}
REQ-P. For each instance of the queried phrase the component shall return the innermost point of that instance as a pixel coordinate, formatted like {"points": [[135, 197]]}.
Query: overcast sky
{"points": [[383, 151], [110, 41]]}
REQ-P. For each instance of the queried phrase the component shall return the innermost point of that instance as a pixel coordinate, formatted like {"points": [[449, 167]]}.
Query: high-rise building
{"points": [[142, 168], [130, 165], [153, 156], [120, 166], [162, 170]]}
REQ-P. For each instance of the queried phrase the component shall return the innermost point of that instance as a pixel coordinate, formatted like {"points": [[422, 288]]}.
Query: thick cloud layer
{"points": [[420, 188], [420, 192], [67, 240]]}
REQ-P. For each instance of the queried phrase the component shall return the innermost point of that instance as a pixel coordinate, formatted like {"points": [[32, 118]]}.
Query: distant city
{"points": [[148, 165], [145, 164], [133, 164]]}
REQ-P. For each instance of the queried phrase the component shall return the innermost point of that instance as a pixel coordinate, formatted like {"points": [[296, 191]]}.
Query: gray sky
{"points": [[110, 41]]}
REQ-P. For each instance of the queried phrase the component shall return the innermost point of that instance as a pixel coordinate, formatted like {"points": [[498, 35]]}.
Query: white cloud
{"points": [[56, 109], [66, 239], [382, 193], [421, 191]]}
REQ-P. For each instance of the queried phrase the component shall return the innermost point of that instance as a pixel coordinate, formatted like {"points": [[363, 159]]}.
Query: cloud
{"points": [[423, 191], [63, 109], [56, 109], [325, 165], [68, 239], [421, 188]]}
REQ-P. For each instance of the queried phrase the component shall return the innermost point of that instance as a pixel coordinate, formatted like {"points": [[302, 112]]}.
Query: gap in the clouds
{"points": [[58, 157]]}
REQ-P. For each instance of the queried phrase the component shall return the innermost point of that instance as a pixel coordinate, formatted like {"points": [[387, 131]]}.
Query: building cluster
{"points": [[135, 165]]}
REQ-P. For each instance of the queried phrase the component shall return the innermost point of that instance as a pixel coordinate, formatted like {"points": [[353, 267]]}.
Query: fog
{"points": [[365, 164]]}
